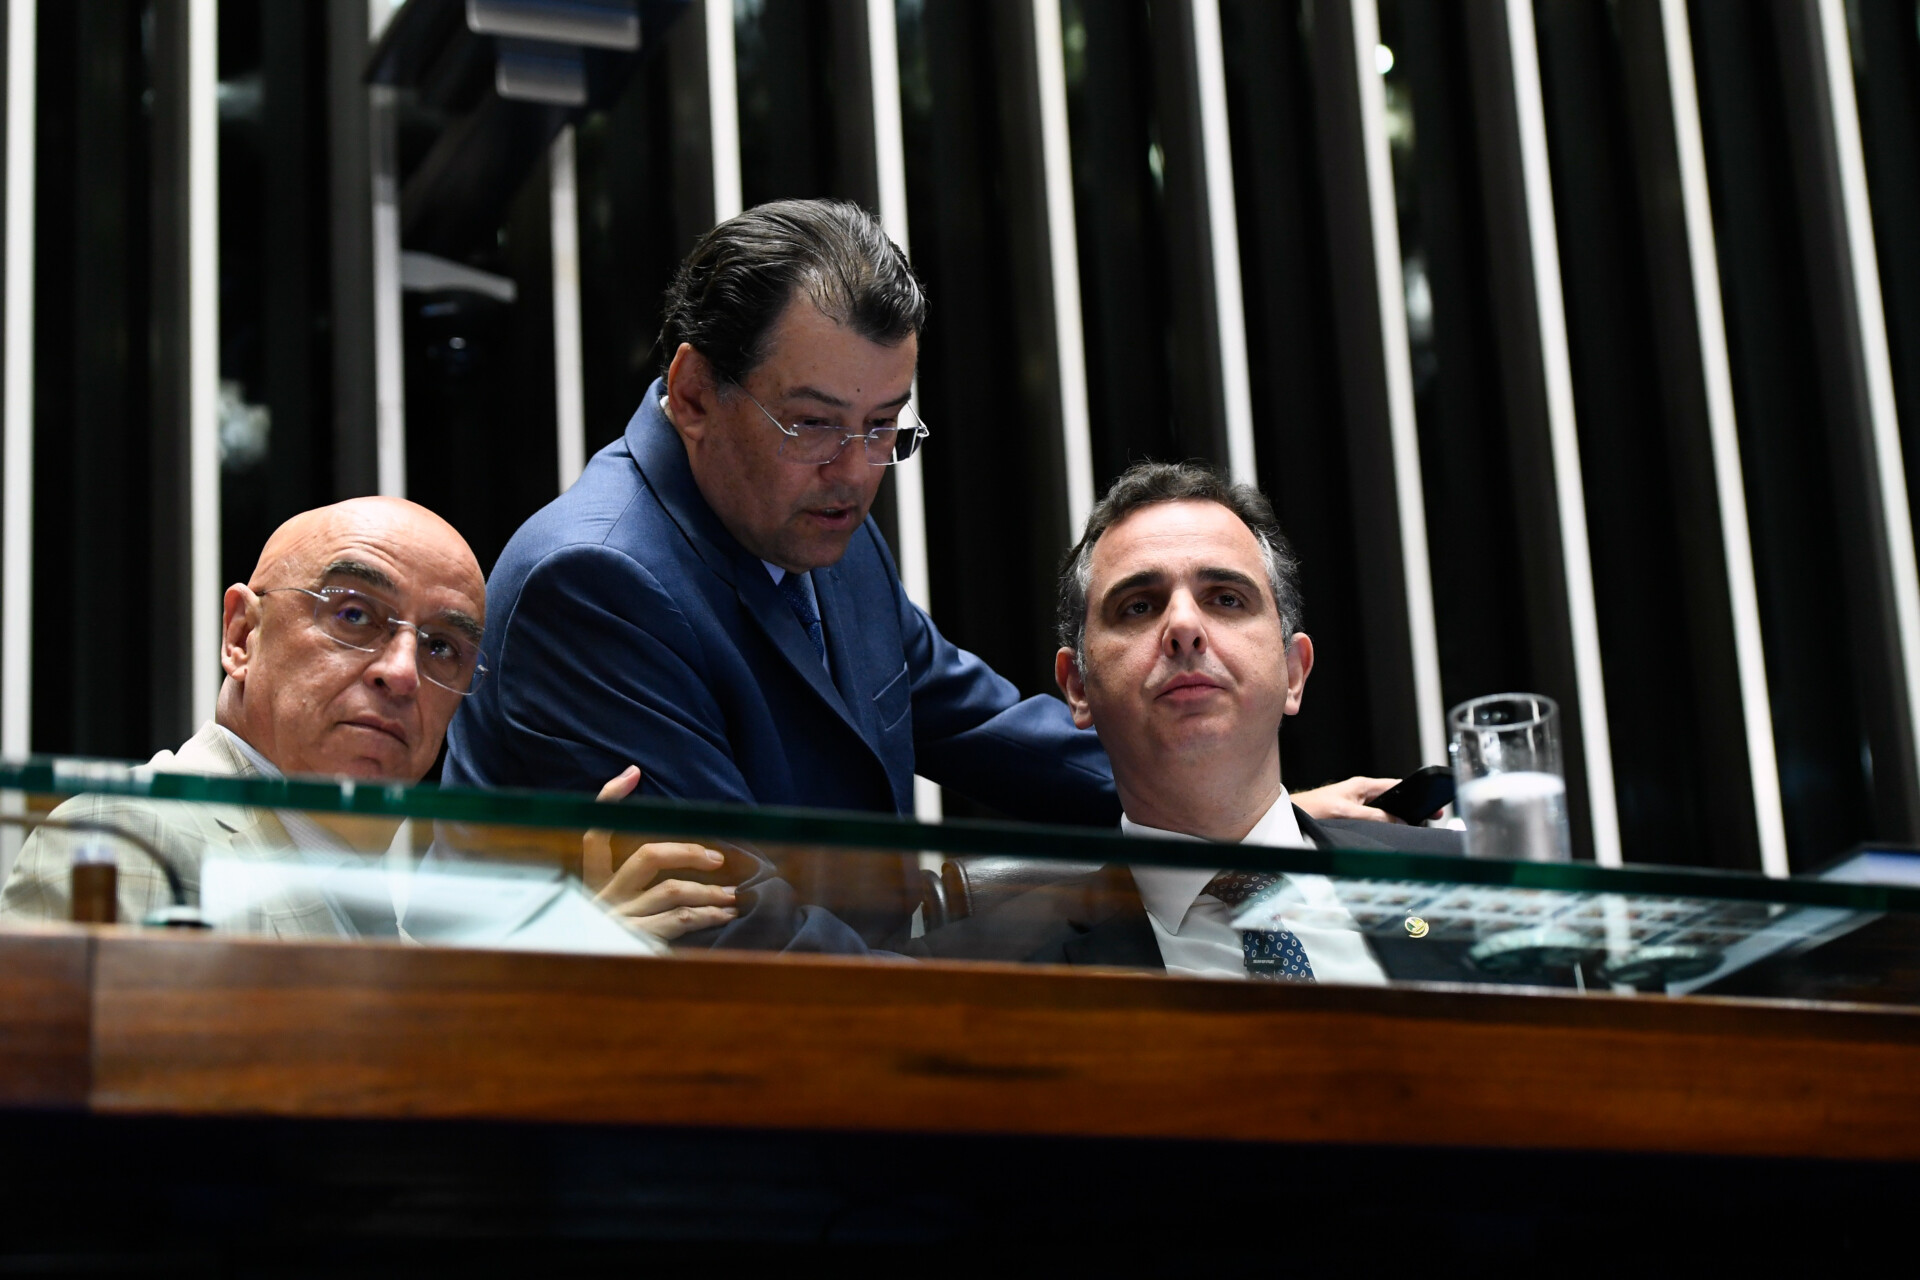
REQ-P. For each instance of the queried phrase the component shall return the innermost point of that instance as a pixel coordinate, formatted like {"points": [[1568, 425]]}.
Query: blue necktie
{"points": [[1274, 955], [793, 588]]}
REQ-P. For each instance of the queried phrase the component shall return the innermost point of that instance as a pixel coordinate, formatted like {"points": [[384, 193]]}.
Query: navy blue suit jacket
{"points": [[626, 625]]}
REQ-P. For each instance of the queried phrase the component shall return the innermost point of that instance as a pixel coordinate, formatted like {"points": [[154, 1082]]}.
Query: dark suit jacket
{"points": [[1100, 918], [626, 625]]}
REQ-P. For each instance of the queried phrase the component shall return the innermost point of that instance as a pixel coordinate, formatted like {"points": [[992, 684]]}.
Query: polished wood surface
{"points": [[195, 1025], [45, 1056]]}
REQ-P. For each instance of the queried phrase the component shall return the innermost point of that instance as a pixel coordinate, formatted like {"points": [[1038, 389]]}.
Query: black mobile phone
{"points": [[1418, 796]]}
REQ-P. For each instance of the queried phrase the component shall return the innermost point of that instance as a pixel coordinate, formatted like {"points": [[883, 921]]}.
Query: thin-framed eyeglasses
{"points": [[815, 443], [357, 621]]}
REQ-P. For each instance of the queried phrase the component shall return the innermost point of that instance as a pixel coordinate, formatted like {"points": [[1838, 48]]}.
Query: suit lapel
{"points": [[1125, 939], [210, 752], [769, 609], [1324, 839], [662, 460], [295, 910], [846, 650], [1312, 830], [1114, 929]]}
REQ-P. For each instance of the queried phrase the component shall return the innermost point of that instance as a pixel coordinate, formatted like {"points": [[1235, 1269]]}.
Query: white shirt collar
{"points": [[1169, 892]]}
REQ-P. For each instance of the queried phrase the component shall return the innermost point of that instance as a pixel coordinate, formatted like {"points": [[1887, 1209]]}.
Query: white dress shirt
{"points": [[1193, 927]]}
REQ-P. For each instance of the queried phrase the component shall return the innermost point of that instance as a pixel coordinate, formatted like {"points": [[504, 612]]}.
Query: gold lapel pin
{"points": [[1416, 927]]}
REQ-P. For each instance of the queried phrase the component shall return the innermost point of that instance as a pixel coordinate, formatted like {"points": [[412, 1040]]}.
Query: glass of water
{"points": [[1512, 788]]}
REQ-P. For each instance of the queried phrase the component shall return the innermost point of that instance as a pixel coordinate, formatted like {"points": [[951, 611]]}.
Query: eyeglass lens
{"points": [[359, 622], [823, 442]]}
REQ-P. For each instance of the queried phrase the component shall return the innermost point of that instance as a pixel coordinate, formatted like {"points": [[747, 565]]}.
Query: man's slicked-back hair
{"points": [[1143, 485], [726, 296]]}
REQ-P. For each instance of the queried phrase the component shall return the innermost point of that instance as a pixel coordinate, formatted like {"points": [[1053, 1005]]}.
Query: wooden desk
{"points": [[122, 1023]]}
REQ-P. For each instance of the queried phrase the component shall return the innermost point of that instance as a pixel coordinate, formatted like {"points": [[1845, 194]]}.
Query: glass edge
{"points": [[523, 808]]}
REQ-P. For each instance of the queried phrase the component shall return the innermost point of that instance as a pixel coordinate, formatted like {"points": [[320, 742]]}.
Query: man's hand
{"points": [[1347, 800], [666, 909]]}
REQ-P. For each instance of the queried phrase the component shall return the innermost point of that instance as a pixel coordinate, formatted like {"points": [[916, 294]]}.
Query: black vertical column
{"points": [[645, 192], [1816, 566], [1363, 364], [1658, 534], [989, 379], [1865, 521], [350, 229], [96, 604]]}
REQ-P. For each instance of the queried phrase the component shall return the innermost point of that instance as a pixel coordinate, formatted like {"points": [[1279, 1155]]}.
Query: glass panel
{"points": [[550, 873]]}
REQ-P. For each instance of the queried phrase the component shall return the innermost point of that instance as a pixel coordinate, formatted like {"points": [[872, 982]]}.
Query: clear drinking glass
{"points": [[1512, 787]]}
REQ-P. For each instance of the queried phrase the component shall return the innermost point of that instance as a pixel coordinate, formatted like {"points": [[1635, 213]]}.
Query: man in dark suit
{"points": [[1180, 644], [711, 602]]}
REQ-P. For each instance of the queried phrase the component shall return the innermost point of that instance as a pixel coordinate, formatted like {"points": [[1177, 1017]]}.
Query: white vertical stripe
{"points": [[910, 519], [1570, 499], [889, 137], [1722, 432], [16, 512], [389, 353], [389, 368], [1423, 636], [569, 386], [1223, 225], [203, 352], [1063, 253], [890, 172], [1883, 415], [723, 109]]}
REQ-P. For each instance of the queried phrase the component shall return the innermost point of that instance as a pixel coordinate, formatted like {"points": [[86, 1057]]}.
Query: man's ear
{"points": [[239, 622], [1073, 687], [1299, 667], [692, 390]]}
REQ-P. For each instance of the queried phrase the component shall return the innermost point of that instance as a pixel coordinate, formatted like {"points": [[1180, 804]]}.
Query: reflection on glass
{"points": [[1532, 936], [527, 872]]}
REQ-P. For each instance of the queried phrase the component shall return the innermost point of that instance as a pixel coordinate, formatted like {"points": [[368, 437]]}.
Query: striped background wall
{"points": [[1577, 341]]}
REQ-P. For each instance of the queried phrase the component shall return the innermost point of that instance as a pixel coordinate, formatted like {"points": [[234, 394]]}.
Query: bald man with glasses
{"points": [[346, 654]]}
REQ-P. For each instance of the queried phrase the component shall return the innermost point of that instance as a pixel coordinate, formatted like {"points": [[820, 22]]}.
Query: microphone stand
{"points": [[181, 915]]}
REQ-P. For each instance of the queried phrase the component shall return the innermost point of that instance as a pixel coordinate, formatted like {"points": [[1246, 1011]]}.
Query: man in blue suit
{"points": [[711, 601]]}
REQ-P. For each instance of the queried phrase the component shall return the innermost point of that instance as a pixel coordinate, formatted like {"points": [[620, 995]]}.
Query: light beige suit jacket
{"points": [[186, 831]]}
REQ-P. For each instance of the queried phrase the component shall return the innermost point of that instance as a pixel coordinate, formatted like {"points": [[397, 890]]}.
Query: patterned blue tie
{"points": [[1274, 955], [793, 588]]}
